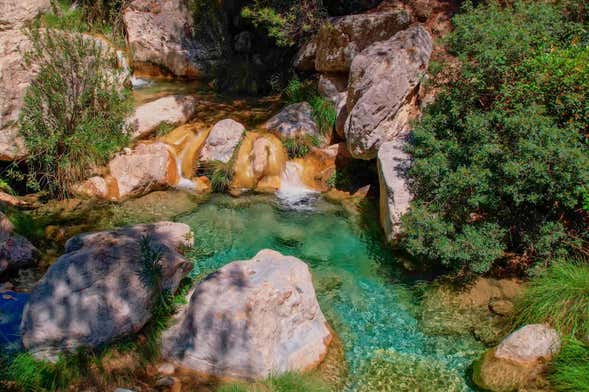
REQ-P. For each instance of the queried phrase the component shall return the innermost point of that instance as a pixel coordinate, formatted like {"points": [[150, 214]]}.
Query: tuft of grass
{"points": [[220, 174], [296, 147], [164, 128], [288, 382], [324, 114], [570, 370], [560, 297]]}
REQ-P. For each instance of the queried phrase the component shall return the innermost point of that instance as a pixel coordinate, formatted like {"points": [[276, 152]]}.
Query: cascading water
{"points": [[293, 193]]}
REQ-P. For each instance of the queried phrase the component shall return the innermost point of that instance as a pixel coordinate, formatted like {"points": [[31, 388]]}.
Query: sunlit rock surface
{"points": [[259, 164], [251, 319], [520, 361], [101, 288], [222, 141], [383, 84]]}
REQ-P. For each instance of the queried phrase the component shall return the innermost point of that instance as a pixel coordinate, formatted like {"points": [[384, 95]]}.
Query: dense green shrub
{"points": [[570, 370], [72, 119], [324, 113], [500, 159], [558, 296], [390, 371], [286, 21]]}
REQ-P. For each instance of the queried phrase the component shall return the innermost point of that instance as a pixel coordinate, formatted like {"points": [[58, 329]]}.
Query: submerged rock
{"points": [[188, 39], [16, 251], [251, 319], [341, 39], [170, 110], [222, 141], [259, 164], [384, 79], [101, 288], [395, 197], [293, 121], [520, 361]]}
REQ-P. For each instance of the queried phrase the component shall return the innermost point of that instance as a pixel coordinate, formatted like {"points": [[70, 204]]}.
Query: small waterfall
{"points": [[183, 182], [293, 193]]}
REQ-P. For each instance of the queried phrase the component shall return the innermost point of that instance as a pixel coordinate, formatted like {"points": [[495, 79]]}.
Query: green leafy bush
{"points": [[560, 297], [220, 174], [286, 21], [72, 119], [324, 113], [500, 159], [390, 371], [570, 370]]}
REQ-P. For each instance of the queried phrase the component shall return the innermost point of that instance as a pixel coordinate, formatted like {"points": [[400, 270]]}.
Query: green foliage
{"points": [[164, 128], [65, 17], [324, 113], [390, 371], [73, 115], [220, 174], [286, 21], [500, 159], [288, 382], [559, 296], [296, 147], [570, 370], [5, 186]]}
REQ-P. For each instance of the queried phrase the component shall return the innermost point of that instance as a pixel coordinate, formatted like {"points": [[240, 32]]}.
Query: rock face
{"points": [[251, 319], [519, 361], [335, 88], [14, 14], [384, 79], [16, 251], [171, 35], [100, 290], [395, 197], [173, 109], [339, 41], [259, 164], [292, 121], [223, 139]]}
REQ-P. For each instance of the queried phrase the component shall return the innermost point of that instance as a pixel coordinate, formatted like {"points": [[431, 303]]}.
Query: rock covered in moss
{"points": [[520, 360], [188, 39], [384, 79], [251, 319], [103, 287], [390, 371]]}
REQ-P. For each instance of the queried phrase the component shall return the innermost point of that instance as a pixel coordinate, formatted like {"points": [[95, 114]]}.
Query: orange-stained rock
{"points": [[259, 164], [202, 185], [187, 141]]}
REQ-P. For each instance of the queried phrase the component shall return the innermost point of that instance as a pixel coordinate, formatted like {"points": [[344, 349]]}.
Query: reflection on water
{"points": [[362, 292]]}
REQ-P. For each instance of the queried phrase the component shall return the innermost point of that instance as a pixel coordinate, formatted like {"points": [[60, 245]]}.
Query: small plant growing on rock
{"points": [[220, 174], [72, 120], [296, 147]]}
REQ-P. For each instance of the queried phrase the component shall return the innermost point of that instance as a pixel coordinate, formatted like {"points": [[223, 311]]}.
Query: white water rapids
{"points": [[293, 193]]}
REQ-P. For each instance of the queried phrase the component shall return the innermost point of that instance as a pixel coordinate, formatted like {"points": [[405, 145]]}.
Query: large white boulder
{"points": [[251, 319], [222, 141], [384, 79], [102, 289]]}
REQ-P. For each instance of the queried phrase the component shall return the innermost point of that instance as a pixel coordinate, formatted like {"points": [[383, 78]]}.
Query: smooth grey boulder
{"points": [[100, 289], [384, 80], [530, 343], [16, 251], [395, 197], [342, 38], [251, 319], [188, 39], [222, 141], [293, 120]]}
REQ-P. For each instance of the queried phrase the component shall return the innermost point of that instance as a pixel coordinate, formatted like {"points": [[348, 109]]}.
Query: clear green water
{"points": [[367, 300]]}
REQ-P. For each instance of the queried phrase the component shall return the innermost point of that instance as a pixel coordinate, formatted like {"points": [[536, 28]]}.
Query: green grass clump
{"points": [[570, 370], [296, 147], [390, 371], [559, 297], [220, 174], [324, 113], [288, 382]]}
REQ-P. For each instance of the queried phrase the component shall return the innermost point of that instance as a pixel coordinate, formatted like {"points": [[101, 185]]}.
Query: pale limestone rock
{"points": [[251, 319], [384, 79], [173, 109], [98, 291], [15, 14], [293, 120], [222, 141]]}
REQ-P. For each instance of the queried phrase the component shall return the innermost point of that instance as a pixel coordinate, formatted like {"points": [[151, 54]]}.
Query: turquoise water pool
{"points": [[369, 302]]}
